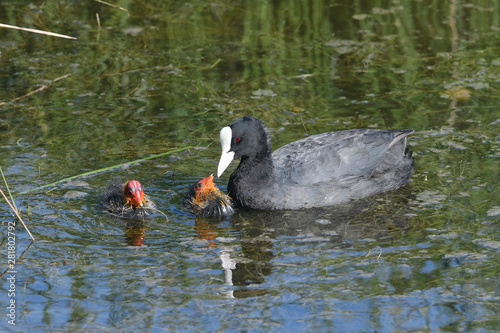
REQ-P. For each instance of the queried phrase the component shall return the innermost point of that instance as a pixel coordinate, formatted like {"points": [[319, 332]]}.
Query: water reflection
{"points": [[206, 228], [135, 232], [248, 259]]}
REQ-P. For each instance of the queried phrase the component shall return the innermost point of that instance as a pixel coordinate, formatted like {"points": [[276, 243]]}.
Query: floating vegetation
{"points": [[457, 93]]}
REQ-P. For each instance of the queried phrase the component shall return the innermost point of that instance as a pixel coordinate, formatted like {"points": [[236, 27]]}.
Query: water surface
{"points": [[169, 75]]}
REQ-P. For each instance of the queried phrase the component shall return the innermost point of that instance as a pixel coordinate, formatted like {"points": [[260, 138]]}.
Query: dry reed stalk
{"points": [[43, 87], [17, 214], [98, 26], [35, 31], [111, 5]]}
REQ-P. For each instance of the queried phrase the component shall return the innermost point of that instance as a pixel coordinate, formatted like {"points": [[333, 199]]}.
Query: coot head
{"points": [[246, 137], [134, 194]]}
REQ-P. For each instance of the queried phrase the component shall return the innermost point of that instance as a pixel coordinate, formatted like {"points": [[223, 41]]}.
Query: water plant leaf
{"points": [[121, 165]]}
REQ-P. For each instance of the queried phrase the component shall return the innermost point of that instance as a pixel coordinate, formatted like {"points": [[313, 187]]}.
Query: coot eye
{"points": [[199, 184], [238, 139]]}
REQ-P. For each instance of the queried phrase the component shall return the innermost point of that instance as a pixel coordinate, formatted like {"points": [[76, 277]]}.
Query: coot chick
{"points": [[206, 199], [317, 171], [127, 200]]}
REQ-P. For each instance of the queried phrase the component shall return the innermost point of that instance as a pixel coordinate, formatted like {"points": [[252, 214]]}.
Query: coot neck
{"points": [[251, 173], [255, 168]]}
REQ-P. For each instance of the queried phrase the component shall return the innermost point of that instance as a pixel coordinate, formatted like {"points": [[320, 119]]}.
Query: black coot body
{"points": [[320, 170]]}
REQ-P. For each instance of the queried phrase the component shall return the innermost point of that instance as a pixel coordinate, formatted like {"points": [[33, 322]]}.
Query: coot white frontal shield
{"points": [[226, 135]]}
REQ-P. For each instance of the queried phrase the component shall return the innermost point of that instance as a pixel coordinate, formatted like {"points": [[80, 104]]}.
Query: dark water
{"points": [[168, 75]]}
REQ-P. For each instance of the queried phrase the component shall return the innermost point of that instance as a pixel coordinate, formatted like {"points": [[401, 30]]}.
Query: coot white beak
{"points": [[226, 135]]}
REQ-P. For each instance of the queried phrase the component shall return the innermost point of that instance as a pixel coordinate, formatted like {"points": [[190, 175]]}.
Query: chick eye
{"points": [[199, 184], [237, 140]]}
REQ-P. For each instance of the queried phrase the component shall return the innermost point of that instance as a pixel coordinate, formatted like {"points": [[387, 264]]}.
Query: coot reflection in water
{"points": [[338, 227]]}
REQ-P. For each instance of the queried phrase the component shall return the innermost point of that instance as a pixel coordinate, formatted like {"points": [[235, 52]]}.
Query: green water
{"points": [[167, 75]]}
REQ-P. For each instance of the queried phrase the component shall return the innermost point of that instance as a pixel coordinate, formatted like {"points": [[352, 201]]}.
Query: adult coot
{"points": [[204, 198], [320, 170], [127, 200]]}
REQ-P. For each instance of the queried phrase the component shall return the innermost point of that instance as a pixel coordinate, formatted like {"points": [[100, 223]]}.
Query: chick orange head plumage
{"points": [[204, 185], [134, 193]]}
